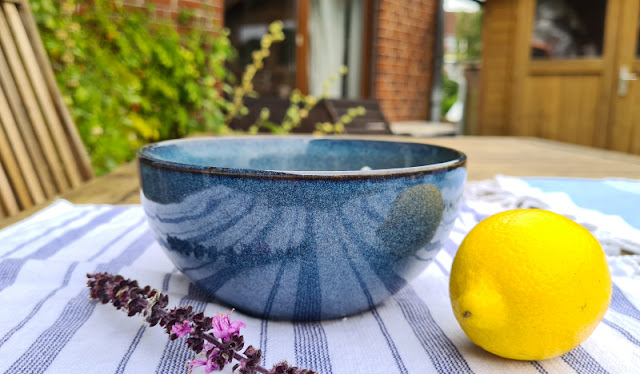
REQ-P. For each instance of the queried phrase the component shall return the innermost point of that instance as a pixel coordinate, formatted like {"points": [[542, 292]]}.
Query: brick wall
{"points": [[406, 32], [207, 13]]}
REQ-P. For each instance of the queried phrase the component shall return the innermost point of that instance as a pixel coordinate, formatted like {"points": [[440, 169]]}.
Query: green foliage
{"points": [[469, 36], [130, 78], [449, 94]]}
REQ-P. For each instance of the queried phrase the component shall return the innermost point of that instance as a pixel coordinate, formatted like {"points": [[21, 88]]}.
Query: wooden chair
{"points": [[327, 110], [373, 122], [277, 111], [41, 153]]}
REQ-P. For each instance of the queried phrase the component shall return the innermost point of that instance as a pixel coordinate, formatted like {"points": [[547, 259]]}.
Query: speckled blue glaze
{"points": [[291, 227]]}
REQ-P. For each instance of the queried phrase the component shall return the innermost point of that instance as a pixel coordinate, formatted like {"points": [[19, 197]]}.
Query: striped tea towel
{"points": [[49, 324]]}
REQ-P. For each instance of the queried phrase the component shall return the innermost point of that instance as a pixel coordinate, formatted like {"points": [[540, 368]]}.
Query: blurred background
{"points": [[138, 71]]}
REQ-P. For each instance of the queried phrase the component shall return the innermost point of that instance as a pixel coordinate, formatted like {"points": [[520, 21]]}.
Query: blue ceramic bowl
{"points": [[300, 228]]}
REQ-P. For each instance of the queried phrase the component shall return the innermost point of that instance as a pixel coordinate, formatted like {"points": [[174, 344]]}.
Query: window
{"points": [[567, 29]]}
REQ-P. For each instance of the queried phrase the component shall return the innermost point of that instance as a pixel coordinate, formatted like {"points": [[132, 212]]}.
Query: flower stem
{"points": [[179, 322]]}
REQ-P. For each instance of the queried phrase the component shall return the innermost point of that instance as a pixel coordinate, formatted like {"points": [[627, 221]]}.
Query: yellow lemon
{"points": [[529, 284]]}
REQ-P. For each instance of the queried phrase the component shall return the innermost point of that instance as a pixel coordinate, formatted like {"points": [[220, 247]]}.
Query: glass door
{"points": [[248, 21]]}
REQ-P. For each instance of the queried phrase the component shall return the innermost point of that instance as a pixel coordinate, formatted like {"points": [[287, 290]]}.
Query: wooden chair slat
{"points": [[331, 109], [80, 153], [8, 203], [24, 125], [19, 150], [31, 105], [13, 170], [42, 93]]}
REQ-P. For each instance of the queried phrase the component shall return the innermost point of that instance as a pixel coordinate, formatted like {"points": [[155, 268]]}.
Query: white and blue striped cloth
{"points": [[49, 324]]}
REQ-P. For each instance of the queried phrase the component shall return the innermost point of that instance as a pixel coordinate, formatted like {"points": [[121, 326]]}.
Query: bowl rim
{"points": [[143, 156]]}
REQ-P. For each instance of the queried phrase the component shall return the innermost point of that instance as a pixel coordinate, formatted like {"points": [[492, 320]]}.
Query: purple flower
{"points": [[127, 295], [209, 364], [182, 329], [223, 328]]}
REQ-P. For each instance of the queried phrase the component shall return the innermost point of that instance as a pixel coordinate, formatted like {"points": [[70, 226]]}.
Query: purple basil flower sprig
{"points": [[217, 339]]}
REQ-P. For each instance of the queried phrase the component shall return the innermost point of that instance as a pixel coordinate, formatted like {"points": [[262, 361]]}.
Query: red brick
{"points": [[404, 57], [163, 13], [158, 2], [188, 4], [209, 13]]}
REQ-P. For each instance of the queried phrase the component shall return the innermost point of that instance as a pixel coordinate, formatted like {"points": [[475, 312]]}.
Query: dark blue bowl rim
{"points": [[144, 157]]}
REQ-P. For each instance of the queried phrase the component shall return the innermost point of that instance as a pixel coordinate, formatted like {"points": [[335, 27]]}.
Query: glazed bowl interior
{"points": [[304, 155]]}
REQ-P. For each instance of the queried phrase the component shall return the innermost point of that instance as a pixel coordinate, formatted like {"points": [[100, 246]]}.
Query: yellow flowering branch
{"points": [[237, 107]]}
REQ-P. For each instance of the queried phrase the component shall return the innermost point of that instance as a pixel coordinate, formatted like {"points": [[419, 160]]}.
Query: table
{"points": [[488, 156], [48, 319]]}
